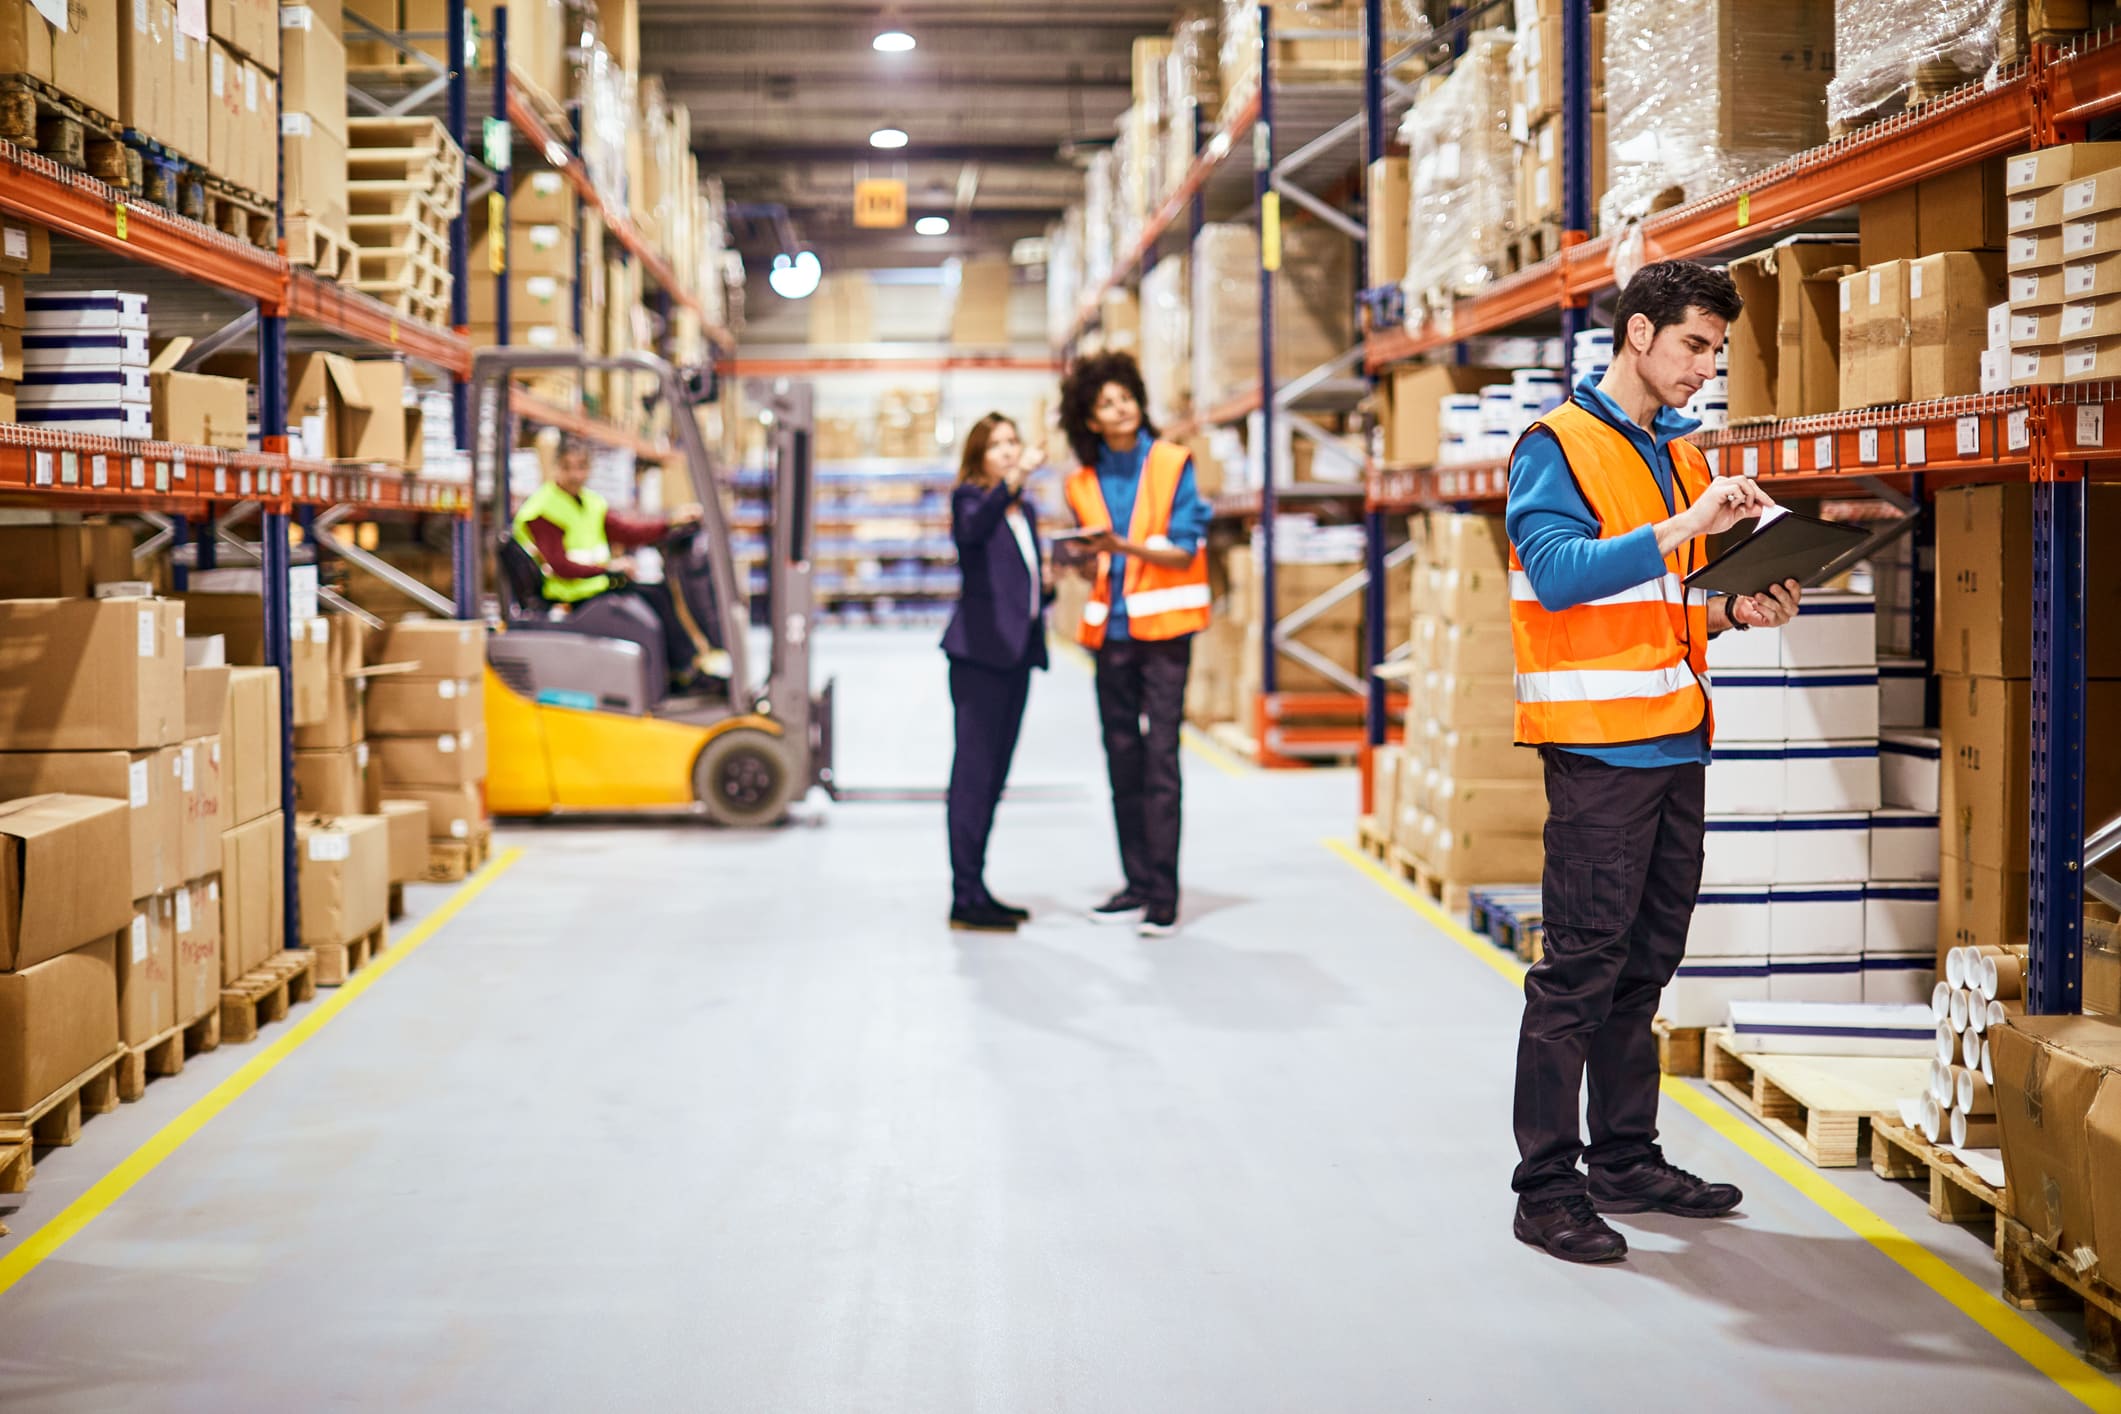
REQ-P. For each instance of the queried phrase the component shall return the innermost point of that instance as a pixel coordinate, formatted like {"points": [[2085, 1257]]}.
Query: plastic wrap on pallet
{"points": [[1889, 53], [1064, 272], [1315, 41], [1100, 217], [1314, 299], [1192, 94], [607, 107], [1701, 94], [1167, 339], [1130, 194], [1462, 168]]}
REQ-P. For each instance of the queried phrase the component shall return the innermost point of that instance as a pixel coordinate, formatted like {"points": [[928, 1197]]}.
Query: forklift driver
{"points": [[572, 531]]}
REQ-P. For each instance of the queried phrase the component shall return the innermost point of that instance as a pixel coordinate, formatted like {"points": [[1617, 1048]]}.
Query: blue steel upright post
{"points": [[2055, 966], [1575, 159], [276, 594], [1375, 45], [504, 183], [463, 546], [1269, 261]]}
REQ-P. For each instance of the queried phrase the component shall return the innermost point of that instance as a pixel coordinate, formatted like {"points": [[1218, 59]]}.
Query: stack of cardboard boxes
{"points": [[242, 97], [2064, 216], [1785, 352], [1469, 805], [24, 249], [84, 364], [541, 268], [2058, 1101], [1984, 659], [429, 725], [313, 116], [1313, 303], [352, 410], [1535, 112]]}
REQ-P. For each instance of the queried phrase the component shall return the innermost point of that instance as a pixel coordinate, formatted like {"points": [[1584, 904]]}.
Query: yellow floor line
{"points": [[1984, 1308], [67, 1224]]}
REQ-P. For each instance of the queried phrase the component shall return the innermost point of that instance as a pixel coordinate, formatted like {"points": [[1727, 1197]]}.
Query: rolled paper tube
{"points": [[1962, 1003], [1955, 967], [1941, 1001], [1951, 1100], [1988, 1065], [1932, 1119], [1976, 1014], [1998, 1016], [1975, 1133], [2002, 978], [1947, 1043], [1974, 1098], [1940, 1086]]}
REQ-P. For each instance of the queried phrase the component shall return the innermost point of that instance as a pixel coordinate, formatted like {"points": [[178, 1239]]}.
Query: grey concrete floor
{"points": [[674, 1119]]}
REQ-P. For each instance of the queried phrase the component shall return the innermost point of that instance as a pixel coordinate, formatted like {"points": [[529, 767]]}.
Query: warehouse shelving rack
{"points": [[2055, 438], [1307, 144]]}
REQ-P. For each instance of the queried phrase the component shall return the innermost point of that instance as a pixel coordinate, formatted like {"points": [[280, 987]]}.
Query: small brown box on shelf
{"points": [[332, 782], [57, 1019], [125, 686], [453, 812], [149, 784], [253, 896], [57, 890], [1949, 296], [407, 823], [250, 745], [344, 882]]}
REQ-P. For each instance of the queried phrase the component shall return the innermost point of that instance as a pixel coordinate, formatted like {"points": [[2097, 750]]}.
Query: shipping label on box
{"points": [[147, 972], [345, 877], [198, 948]]}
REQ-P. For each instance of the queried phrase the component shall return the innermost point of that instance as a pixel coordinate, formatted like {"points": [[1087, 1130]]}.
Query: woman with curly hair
{"points": [[1149, 597]]}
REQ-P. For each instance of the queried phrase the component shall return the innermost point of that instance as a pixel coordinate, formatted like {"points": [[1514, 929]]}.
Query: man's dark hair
{"points": [[1664, 291], [1079, 392], [572, 444]]}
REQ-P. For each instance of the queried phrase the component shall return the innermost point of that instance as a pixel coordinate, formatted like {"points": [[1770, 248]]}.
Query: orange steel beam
{"points": [[580, 423], [363, 317], [1538, 290], [803, 367]]}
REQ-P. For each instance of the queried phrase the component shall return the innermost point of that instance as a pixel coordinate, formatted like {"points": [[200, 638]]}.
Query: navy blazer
{"points": [[993, 624]]}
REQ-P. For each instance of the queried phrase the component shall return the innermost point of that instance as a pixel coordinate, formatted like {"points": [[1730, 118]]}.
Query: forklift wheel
{"points": [[743, 779]]}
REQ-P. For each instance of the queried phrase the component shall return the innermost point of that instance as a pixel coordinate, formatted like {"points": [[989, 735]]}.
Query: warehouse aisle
{"points": [[668, 1119]]}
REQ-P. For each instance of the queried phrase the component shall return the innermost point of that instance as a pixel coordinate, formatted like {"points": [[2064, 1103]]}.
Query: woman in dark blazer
{"points": [[996, 637]]}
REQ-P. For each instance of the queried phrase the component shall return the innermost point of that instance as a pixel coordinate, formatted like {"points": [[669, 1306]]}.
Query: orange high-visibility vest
{"points": [[1632, 666], [1161, 603]]}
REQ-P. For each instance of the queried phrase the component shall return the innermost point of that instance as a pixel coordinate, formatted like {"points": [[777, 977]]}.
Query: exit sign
{"points": [[880, 203]]}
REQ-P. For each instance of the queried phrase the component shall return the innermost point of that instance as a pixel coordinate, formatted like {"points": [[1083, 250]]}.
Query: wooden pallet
{"points": [[37, 116], [55, 1121], [1957, 1193], [404, 300], [161, 1055], [243, 215], [327, 252], [17, 1162], [1510, 915], [338, 961], [1680, 1049], [450, 861], [2037, 1278], [1531, 246], [397, 902], [1371, 840], [1452, 898], [263, 995], [1821, 1106]]}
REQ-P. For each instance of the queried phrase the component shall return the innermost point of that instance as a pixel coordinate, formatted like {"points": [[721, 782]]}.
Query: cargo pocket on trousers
{"points": [[1586, 886]]}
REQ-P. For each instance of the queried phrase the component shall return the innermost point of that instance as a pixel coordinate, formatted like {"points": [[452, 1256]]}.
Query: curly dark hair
{"points": [[1079, 392]]}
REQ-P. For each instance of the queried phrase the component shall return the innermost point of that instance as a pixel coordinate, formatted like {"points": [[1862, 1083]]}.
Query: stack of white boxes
{"points": [[84, 364], [1811, 890]]}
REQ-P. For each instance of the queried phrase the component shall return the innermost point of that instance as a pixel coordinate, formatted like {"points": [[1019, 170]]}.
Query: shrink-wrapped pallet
{"points": [[1192, 92], [1167, 339], [1701, 94], [1463, 167], [1064, 271], [1314, 298], [1890, 53], [1315, 42], [1100, 217]]}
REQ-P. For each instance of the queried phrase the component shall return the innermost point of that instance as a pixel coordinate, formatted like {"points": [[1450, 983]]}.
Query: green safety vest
{"points": [[581, 525]]}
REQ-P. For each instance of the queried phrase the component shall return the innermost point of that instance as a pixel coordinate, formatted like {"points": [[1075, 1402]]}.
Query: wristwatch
{"points": [[1731, 618]]}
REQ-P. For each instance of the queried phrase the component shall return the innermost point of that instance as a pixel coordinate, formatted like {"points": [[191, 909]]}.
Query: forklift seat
{"points": [[605, 616]]}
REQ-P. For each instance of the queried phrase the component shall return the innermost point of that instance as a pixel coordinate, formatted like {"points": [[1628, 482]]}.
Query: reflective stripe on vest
{"points": [[582, 532], [1632, 665], [1161, 603]]}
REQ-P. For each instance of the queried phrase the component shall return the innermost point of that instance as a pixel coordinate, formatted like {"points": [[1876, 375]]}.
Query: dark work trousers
{"points": [[1623, 866], [677, 644], [1141, 702], [990, 712]]}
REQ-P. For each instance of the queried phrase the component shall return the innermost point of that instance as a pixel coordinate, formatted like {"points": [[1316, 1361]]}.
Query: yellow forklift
{"points": [[579, 717]]}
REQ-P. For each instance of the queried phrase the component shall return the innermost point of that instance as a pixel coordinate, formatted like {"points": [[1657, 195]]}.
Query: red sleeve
{"points": [[552, 549], [631, 532]]}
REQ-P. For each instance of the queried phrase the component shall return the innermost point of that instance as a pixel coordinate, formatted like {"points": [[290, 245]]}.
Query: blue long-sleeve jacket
{"points": [[1557, 539]]}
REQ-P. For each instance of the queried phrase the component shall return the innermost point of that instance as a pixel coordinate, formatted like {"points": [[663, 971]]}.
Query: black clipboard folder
{"points": [[1790, 546]]}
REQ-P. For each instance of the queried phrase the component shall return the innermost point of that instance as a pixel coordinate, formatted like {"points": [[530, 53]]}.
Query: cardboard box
{"points": [[532, 299], [379, 436], [24, 250], [327, 399], [345, 673], [542, 197], [198, 948], [224, 113], [1412, 429], [62, 561], [1539, 168], [1886, 366], [1985, 795], [205, 805], [1888, 227], [197, 409], [147, 971], [453, 812], [57, 890], [1388, 198], [345, 877], [253, 894], [1985, 578], [124, 687], [79, 58], [250, 745], [2052, 166], [56, 1020], [205, 700], [1785, 349], [2058, 1098], [1949, 296], [313, 71], [332, 782], [1476, 857], [1961, 210], [188, 96], [247, 26], [147, 784], [1980, 906], [313, 168], [418, 706], [145, 68], [541, 250], [407, 824], [437, 648], [309, 671]]}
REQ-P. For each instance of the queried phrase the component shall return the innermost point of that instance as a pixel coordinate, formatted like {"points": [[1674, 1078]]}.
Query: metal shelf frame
{"points": [[2055, 439]]}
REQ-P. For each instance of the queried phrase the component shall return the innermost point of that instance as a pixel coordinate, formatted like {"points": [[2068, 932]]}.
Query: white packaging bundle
{"points": [[1882, 48]]}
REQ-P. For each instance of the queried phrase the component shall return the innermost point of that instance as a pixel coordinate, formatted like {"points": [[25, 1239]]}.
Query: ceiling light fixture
{"points": [[932, 226], [795, 276], [888, 138], [892, 41]]}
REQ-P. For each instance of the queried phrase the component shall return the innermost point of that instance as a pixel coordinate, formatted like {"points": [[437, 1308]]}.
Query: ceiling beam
{"points": [[768, 152]]}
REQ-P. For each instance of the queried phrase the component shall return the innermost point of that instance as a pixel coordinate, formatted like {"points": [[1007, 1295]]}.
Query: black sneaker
{"points": [[1657, 1187], [1568, 1228], [980, 918], [1122, 907], [1159, 920], [1021, 915]]}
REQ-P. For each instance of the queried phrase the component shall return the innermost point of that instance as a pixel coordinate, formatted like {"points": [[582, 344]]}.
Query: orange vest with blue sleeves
{"points": [[1161, 603]]}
